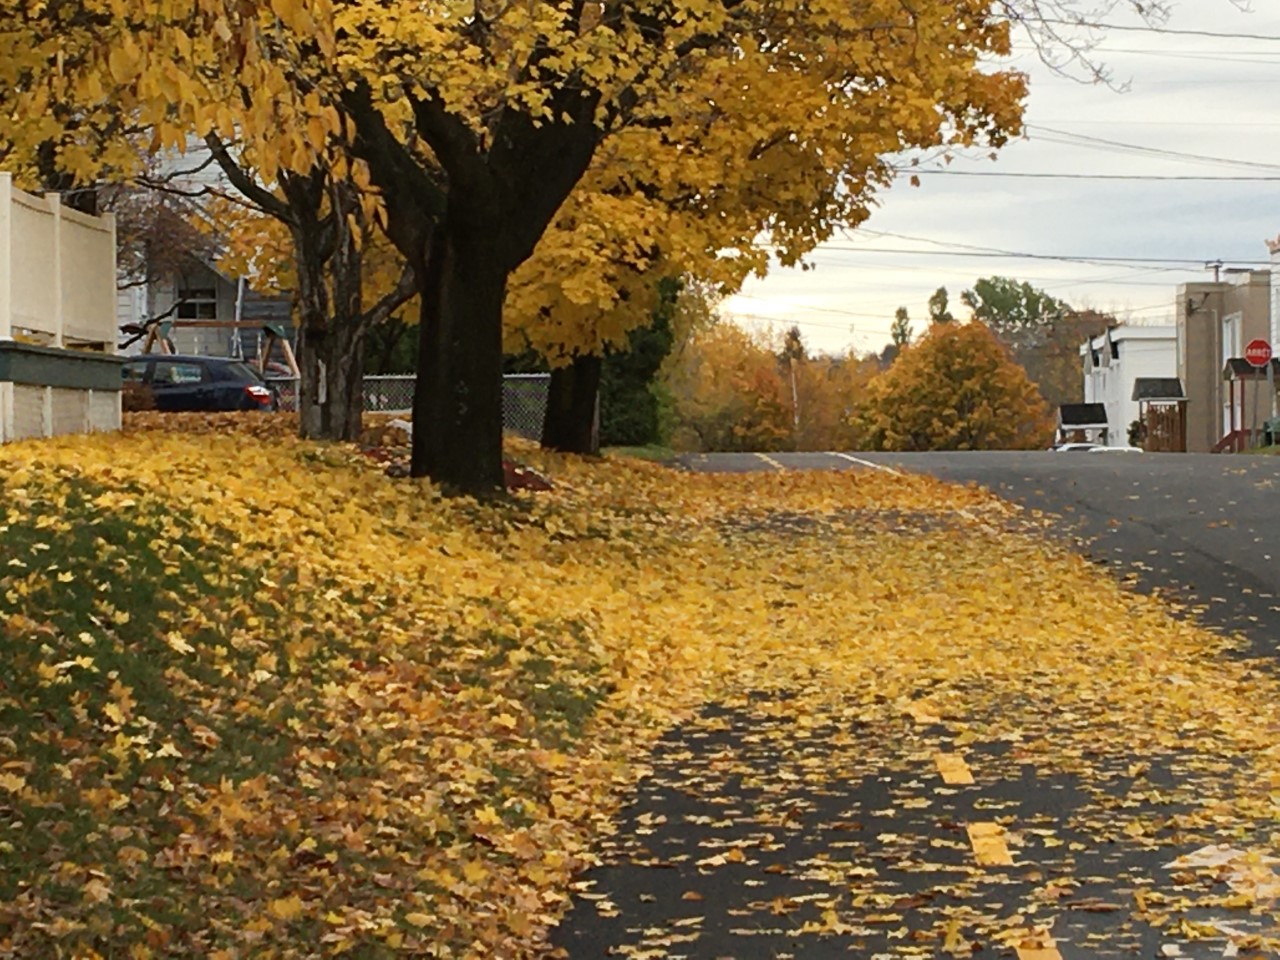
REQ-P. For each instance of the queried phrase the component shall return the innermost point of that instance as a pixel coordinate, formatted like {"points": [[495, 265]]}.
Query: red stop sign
{"points": [[1258, 352]]}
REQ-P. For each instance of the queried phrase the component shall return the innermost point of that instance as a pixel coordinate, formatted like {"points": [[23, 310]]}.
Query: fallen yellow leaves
{"points": [[285, 700]]}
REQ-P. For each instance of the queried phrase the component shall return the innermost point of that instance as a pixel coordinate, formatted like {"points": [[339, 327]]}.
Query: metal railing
{"points": [[524, 398], [286, 391]]}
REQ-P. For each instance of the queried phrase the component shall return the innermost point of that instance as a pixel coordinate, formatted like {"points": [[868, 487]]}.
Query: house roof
{"points": [[1158, 388], [1125, 331], [1081, 415], [1238, 368]]}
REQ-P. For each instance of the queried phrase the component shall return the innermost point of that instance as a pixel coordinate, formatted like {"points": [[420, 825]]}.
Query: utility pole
{"points": [[1216, 267], [795, 396]]}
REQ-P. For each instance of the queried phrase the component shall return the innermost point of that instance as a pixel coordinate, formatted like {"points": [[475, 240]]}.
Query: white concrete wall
{"points": [[29, 410]]}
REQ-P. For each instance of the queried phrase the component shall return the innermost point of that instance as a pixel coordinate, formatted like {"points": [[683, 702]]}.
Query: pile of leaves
{"points": [[258, 697]]}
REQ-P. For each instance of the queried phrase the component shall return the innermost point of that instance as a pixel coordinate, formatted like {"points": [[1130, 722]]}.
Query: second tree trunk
{"points": [[572, 423]]}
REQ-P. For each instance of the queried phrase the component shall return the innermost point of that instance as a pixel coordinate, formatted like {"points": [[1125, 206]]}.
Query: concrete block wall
{"points": [[28, 411]]}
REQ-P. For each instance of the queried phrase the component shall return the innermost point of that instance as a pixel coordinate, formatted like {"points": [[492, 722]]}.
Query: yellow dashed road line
{"points": [[953, 769], [1044, 951], [989, 848]]}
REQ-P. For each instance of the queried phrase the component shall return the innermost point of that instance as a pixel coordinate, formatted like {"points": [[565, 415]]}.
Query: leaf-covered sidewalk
{"points": [[978, 746], [260, 699]]}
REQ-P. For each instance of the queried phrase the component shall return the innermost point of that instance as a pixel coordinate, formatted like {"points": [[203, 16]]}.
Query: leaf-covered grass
{"points": [[653, 452], [257, 698]]}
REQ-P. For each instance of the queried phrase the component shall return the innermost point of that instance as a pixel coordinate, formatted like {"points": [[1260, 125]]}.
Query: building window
{"points": [[197, 303]]}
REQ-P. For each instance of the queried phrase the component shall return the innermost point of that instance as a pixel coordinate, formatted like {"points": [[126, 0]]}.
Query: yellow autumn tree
{"points": [[955, 389], [749, 169], [729, 392], [829, 389]]}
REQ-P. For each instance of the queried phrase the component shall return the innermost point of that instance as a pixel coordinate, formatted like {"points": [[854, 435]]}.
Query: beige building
{"points": [[1215, 319]]}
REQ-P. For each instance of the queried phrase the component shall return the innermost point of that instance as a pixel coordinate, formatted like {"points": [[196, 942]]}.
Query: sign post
{"points": [[1258, 353]]}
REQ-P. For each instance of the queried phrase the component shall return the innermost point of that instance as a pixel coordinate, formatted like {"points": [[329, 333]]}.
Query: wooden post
{"points": [[6, 259], [274, 334], [114, 339], [55, 209]]}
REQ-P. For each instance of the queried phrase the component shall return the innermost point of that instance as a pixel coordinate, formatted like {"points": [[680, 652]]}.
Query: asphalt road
{"points": [[1199, 529], [751, 840]]}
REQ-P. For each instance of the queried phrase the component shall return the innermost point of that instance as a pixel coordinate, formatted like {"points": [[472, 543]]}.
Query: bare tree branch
{"points": [[242, 181]]}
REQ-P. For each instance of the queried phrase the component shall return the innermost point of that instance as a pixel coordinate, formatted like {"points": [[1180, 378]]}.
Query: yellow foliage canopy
{"points": [[743, 122], [956, 389]]}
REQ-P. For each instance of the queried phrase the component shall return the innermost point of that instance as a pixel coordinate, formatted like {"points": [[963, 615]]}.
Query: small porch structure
{"points": [[1162, 412], [1082, 423], [1248, 407]]}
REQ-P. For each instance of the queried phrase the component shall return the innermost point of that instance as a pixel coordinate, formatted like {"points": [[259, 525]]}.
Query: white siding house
{"points": [[212, 313], [1112, 362]]}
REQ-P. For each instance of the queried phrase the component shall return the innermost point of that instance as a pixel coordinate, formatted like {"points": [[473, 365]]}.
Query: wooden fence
{"points": [[57, 272]]}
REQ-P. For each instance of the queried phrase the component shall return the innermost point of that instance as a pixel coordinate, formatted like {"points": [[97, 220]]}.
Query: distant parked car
{"points": [[185, 383], [1077, 446]]}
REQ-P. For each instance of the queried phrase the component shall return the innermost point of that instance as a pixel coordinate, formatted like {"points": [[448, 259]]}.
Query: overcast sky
{"points": [[1187, 93]]}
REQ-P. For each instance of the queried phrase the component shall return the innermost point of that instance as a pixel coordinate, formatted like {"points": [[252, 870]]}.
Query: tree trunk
{"points": [[457, 403], [331, 336], [330, 395], [572, 423]]}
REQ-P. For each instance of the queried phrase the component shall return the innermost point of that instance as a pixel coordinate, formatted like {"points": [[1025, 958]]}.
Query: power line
{"points": [[956, 244], [964, 273], [1172, 263], [1180, 123], [1147, 177], [843, 313], [1119, 146], [1145, 28], [1188, 54]]}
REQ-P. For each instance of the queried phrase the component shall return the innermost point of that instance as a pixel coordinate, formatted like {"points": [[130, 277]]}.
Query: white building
{"points": [[1112, 362], [1274, 247], [211, 312]]}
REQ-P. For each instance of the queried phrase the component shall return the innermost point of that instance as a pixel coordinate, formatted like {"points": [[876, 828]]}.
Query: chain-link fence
{"points": [[286, 391], [524, 399], [391, 393], [524, 403]]}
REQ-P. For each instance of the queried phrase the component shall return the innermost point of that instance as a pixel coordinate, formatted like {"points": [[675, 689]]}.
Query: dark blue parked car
{"points": [[167, 382]]}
